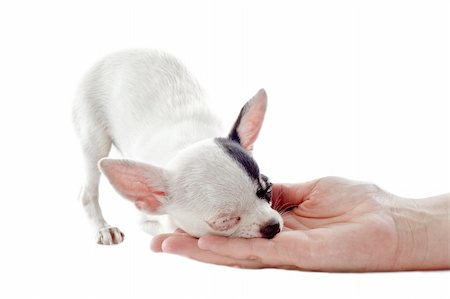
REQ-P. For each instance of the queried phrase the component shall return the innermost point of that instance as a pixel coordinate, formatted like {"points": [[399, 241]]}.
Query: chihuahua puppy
{"points": [[153, 111]]}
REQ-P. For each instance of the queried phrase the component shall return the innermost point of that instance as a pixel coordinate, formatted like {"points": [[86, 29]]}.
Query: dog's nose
{"points": [[269, 230]]}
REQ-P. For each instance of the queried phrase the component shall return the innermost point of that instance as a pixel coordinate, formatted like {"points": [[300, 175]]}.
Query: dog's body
{"points": [[148, 106]]}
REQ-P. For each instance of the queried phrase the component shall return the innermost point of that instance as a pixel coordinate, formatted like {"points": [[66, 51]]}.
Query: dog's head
{"points": [[213, 186]]}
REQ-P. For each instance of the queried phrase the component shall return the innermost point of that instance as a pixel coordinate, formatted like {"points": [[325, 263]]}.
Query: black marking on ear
{"points": [[237, 153], [234, 136]]}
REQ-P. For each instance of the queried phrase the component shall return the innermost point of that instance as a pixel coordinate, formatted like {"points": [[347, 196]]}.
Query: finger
{"points": [[239, 248], [268, 252], [290, 195], [188, 247], [156, 243]]}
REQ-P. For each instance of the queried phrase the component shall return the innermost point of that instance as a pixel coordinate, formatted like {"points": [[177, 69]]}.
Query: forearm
{"points": [[423, 233]]}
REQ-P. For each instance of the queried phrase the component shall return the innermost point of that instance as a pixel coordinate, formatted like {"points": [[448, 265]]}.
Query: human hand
{"points": [[335, 225]]}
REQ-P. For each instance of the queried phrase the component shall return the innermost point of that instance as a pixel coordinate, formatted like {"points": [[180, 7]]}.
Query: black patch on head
{"points": [[237, 153], [234, 136]]}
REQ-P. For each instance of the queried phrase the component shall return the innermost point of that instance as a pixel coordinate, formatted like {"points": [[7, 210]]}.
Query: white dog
{"points": [[147, 105]]}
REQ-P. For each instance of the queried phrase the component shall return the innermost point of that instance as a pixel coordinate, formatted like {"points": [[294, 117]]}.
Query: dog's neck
{"points": [[161, 147]]}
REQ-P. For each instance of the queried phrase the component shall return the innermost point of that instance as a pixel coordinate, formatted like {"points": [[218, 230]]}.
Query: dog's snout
{"points": [[269, 230]]}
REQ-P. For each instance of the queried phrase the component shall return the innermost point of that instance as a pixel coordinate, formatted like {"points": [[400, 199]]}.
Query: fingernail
{"points": [[208, 242], [205, 241], [166, 246], [202, 243]]}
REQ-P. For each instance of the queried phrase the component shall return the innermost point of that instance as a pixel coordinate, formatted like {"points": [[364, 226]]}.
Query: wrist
{"points": [[423, 231]]}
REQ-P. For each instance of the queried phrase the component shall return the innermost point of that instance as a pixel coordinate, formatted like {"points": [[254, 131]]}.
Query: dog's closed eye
{"points": [[224, 223], [265, 190]]}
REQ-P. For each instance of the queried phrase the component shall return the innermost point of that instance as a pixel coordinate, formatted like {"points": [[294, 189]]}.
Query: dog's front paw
{"points": [[109, 236]]}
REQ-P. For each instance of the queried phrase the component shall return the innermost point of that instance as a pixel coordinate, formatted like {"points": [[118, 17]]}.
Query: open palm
{"points": [[331, 224]]}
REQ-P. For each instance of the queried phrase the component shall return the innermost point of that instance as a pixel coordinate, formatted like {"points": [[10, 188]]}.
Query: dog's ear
{"points": [[144, 184], [249, 122]]}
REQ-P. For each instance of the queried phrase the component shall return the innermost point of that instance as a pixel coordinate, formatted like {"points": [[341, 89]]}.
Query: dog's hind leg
{"points": [[157, 224]]}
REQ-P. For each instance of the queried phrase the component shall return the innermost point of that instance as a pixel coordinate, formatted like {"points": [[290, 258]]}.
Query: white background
{"points": [[356, 89]]}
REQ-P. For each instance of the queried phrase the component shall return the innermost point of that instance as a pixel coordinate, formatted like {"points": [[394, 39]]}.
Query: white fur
{"points": [[147, 105]]}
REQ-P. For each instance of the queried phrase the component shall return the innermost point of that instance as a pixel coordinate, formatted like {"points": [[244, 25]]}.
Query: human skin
{"points": [[337, 225]]}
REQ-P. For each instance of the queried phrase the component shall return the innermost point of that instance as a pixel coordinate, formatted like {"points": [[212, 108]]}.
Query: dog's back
{"points": [[142, 96]]}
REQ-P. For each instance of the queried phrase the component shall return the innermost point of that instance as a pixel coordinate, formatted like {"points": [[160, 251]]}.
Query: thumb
{"points": [[285, 196]]}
